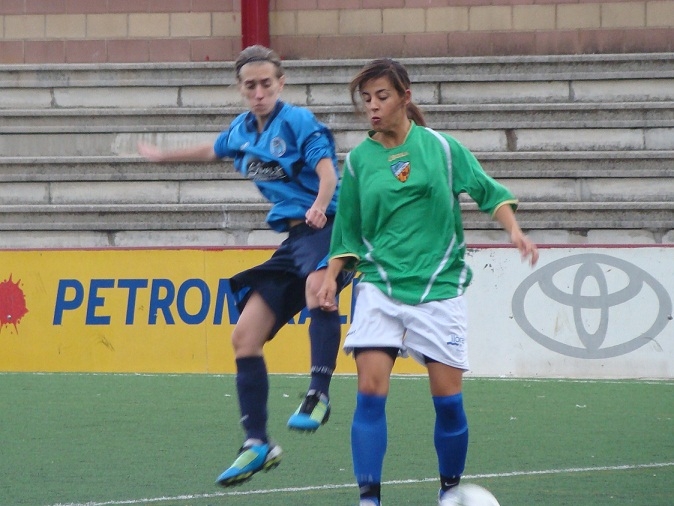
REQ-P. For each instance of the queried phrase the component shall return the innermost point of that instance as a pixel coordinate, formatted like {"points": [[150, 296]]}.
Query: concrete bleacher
{"points": [[586, 143]]}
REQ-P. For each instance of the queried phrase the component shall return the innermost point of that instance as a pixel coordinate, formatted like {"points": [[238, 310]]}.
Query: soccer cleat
{"points": [[449, 497], [254, 456], [312, 413]]}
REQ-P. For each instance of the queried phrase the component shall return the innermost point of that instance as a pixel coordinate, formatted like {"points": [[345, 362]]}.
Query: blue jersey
{"points": [[281, 160]]}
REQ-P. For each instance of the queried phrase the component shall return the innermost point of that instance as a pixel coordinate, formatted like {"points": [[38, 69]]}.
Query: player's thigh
{"points": [[374, 371], [444, 379], [313, 285], [315, 282]]}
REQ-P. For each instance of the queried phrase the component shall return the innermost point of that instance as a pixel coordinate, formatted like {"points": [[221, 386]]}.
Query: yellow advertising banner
{"points": [[138, 311]]}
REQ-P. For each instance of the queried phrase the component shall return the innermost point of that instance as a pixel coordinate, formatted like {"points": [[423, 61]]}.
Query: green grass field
{"points": [[85, 439]]}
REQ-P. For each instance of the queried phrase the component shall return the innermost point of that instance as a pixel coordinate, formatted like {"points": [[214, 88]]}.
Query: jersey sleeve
{"points": [[469, 177], [314, 140], [221, 148], [317, 146], [346, 232], [227, 144]]}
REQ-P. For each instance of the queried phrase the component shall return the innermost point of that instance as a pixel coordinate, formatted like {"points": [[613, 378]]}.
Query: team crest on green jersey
{"points": [[401, 170]]}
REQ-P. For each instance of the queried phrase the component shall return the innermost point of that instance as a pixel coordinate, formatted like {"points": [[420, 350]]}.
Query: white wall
{"points": [[588, 312]]}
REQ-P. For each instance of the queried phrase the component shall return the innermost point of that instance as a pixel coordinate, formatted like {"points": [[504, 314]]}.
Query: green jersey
{"points": [[399, 219]]}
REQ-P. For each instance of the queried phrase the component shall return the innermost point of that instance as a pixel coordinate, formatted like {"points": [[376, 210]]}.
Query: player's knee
{"points": [[313, 285], [373, 385], [245, 345]]}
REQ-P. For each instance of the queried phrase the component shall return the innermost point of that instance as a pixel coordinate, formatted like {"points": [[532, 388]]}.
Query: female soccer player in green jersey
{"points": [[399, 223]]}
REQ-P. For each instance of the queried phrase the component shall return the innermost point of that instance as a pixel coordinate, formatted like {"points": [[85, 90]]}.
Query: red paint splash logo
{"points": [[12, 303]]}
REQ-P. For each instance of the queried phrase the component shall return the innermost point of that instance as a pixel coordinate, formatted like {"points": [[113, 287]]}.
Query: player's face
{"points": [[385, 107], [260, 87]]}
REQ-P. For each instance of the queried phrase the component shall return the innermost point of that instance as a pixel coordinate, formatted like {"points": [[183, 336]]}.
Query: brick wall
{"points": [[118, 31], [94, 31]]}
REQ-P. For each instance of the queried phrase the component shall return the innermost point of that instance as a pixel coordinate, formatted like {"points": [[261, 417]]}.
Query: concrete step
{"points": [[657, 215], [109, 168], [200, 192], [457, 69], [532, 79], [513, 165], [441, 91], [195, 217], [343, 118], [130, 192], [587, 190], [115, 217], [87, 143]]}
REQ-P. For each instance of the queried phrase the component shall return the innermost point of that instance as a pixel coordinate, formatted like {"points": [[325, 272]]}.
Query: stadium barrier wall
{"points": [[582, 312]]}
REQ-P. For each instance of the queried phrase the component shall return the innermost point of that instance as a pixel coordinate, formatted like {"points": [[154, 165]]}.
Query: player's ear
{"points": [[282, 81]]}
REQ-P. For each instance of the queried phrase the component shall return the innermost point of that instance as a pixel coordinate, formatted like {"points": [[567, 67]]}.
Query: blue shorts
{"points": [[281, 280]]}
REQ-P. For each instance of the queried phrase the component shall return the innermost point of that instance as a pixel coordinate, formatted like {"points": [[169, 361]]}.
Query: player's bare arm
{"points": [[198, 153], [506, 217], [315, 216], [327, 294]]}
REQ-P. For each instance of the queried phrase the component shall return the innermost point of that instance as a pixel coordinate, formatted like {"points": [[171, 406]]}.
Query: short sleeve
{"points": [[469, 177], [317, 146], [221, 148]]}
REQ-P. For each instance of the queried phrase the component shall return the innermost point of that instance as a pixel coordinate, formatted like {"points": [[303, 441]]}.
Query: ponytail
{"points": [[415, 114]]}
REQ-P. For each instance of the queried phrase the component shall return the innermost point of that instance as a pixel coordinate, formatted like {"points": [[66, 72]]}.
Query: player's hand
{"points": [[327, 295], [315, 218], [527, 248]]}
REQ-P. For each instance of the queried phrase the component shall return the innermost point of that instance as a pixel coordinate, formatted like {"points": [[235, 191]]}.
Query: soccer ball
{"points": [[469, 494]]}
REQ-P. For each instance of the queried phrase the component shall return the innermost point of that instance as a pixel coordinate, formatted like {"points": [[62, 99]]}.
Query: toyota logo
{"points": [[635, 292]]}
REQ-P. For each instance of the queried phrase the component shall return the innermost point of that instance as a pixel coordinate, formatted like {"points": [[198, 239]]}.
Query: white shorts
{"points": [[436, 329]]}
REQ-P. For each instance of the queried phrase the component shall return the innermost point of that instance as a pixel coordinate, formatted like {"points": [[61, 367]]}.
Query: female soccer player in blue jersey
{"points": [[399, 223], [291, 158]]}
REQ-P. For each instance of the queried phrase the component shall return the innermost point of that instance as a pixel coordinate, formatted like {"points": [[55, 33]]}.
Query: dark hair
{"points": [[398, 77], [258, 53]]}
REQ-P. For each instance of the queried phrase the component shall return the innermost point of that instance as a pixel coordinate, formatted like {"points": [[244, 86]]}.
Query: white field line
{"points": [[338, 376], [191, 497]]}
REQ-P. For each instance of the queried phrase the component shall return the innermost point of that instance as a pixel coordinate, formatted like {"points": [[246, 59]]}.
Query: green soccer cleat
{"points": [[254, 456]]}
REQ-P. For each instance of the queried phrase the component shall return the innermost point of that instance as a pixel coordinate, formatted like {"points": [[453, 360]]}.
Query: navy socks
{"points": [[252, 385], [325, 336]]}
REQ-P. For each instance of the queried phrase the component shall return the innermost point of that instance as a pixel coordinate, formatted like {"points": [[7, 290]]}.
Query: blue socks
{"points": [[252, 385], [368, 442], [325, 337], [451, 437]]}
